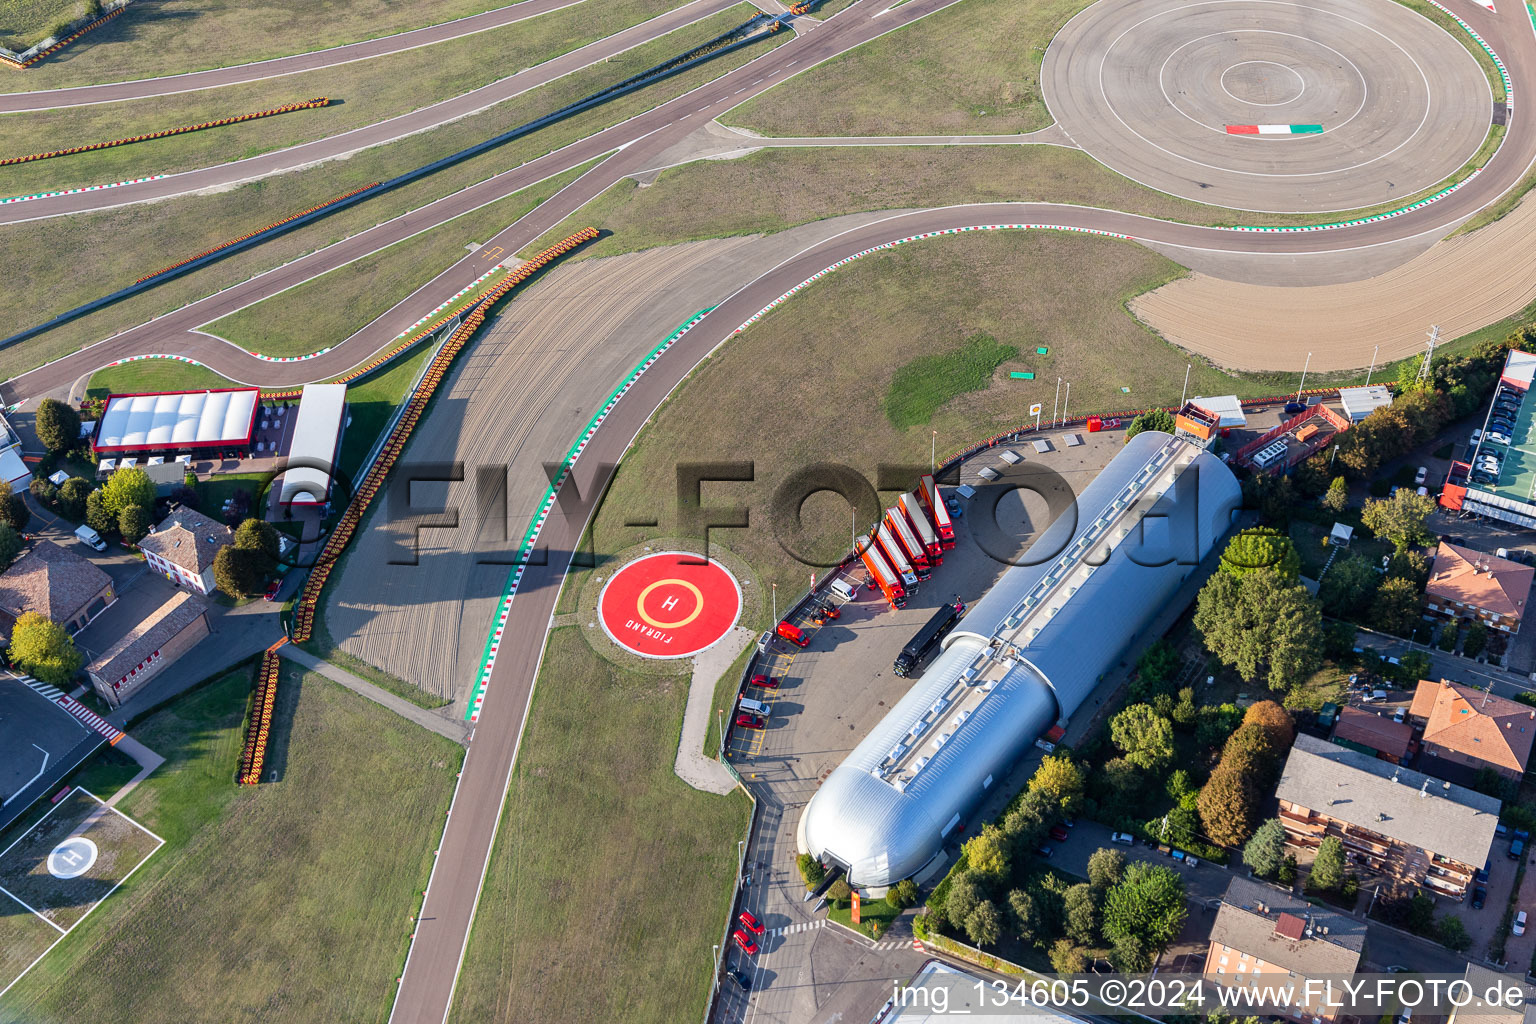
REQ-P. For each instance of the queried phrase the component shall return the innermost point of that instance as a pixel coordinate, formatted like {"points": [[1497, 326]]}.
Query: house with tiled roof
{"points": [[1373, 733], [1467, 584], [1467, 730], [1265, 936], [56, 584], [182, 547], [148, 647]]}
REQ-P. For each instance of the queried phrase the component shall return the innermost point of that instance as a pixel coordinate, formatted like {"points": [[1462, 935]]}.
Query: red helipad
{"points": [[669, 605]]}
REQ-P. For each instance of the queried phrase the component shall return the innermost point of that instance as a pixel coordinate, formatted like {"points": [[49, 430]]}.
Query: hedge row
{"points": [[322, 101]]}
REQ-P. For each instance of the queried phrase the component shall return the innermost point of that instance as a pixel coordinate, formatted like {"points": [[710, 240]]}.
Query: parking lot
{"points": [[40, 743]]}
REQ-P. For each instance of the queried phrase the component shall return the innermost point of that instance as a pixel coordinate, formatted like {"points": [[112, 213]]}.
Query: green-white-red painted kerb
{"points": [[77, 191]]}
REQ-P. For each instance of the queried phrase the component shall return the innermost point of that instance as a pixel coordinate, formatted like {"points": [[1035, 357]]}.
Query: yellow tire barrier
{"points": [[322, 101], [56, 47], [259, 728]]}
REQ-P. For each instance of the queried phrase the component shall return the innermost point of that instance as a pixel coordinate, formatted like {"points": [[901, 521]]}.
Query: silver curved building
{"points": [[1026, 656]]}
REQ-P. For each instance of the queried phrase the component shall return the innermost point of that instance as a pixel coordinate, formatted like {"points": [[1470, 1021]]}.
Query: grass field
{"points": [[122, 245], [161, 39], [369, 91], [908, 82], [372, 401], [610, 879], [286, 902], [25, 23], [922, 387], [919, 301], [331, 308], [153, 375]]}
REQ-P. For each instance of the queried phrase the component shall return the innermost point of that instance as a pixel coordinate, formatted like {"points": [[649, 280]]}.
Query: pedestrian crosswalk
{"points": [[88, 718], [892, 943], [804, 926]]}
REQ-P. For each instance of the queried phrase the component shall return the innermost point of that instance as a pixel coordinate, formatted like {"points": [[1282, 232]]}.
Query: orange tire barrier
{"points": [[56, 47], [437, 370], [252, 234], [322, 101], [259, 728]]}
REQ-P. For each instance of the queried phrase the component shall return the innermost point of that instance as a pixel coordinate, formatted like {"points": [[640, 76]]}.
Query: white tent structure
{"points": [[316, 437], [176, 421]]}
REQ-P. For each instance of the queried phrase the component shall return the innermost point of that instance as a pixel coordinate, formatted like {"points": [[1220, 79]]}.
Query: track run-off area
{"points": [[1335, 68]]}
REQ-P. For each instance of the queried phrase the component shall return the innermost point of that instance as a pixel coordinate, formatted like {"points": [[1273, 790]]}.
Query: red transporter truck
{"points": [[902, 531], [884, 576], [918, 520], [895, 557], [929, 492]]}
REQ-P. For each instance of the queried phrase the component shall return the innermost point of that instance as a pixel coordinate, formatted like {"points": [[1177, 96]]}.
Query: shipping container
{"points": [[884, 576], [929, 492], [895, 556], [918, 520], [916, 553]]}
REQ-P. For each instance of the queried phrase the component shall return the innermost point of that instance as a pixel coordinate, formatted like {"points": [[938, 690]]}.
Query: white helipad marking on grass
{"points": [[62, 931], [72, 858]]}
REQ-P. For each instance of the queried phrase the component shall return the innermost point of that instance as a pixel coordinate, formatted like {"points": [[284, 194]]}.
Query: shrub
{"points": [[57, 425], [810, 868], [840, 892], [43, 649], [72, 495], [133, 524], [902, 895]]}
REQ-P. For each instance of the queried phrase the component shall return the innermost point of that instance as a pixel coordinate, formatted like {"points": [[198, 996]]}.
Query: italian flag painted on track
{"points": [[1274, 129]]}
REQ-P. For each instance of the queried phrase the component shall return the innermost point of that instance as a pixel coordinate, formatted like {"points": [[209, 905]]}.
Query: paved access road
{"points": [[277, 67]]}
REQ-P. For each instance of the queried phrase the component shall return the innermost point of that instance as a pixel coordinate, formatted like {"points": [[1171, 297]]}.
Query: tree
{"points": [[1273, 496], [1155, 669], [1251, 750], [1228, 806], [13, 508], [97, 516], [237, 571], [1399, 518], [1347, 587], [987, 853], [1129, 955], [902, 895], [1410, 565], [984, 925], [42, 649], [1453, 934], [1147, 904], [1152, 419], [1448, 635], [1061, 780], [1328, 865], [72, 495], [58, 425], [1396, 607], [1476, 639], [44, 491], [840, 891], [1067, 958], [1266, 849], [1337, 498], [1275, 720], [1023, 915], [184, 496], [1145, 736], [127, 486], [260, 536], [10, 544], [964, 895], [810, 870], [1105, 867], [133, 524], [1262, 625], [1261, 548], [1081, 923], [1287, 873]]}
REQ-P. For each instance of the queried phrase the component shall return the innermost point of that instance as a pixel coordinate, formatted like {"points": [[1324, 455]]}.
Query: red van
{"points": [[793, 634]]}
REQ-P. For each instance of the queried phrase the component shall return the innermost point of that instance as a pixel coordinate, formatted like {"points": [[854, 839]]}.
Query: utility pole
{"points": [[1305, 366], [775, 590], [1185, 393], [1056, 404], [933, 453], [722, 732], [1373, 365], [1434, 337]]}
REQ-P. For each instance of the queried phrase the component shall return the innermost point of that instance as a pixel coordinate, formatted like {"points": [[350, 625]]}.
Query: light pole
{"points": [[1056, 404], [775, 593], [1373, 365], [721, 713], [933, 453], [1185, 393], [1333, 456], [1304, 368]]}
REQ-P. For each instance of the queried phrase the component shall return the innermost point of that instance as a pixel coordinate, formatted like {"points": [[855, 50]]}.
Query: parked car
{"points": [[272, 589], [1399, 715], [1479, 897], [1292, 408], [956, 510], [1045, 852], [1059, 833], [1123, 838], [741, 980], [1482, 872], [744, 942], [1517, 849], [1477, 435], [1498, 438], [1519, 928], [794, 634], [1522, 835], [750, 923], [1421, 475], [766, 682], [747, 721], [1501, 830]]}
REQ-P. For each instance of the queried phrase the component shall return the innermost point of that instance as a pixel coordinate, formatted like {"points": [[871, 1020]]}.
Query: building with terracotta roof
{"points": [[183, 546], [148, 648], [1467, 730], [1266, 936], [1467, 584], [54, 583], [1373, 734], [1394, 821]]}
